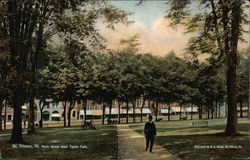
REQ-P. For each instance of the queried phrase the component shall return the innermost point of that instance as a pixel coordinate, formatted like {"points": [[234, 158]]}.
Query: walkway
{"points": [[131, 146]]}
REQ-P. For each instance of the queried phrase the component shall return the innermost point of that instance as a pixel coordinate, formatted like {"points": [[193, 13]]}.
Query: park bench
{"points": [[159, 119], [200, 123], [183, 118], [110, 121], [88, 124]]}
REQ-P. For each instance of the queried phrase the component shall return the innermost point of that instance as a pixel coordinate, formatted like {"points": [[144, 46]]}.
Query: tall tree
{"points": [[131, 81], [21, 20], [43, 91], [105, 80], [243, 80], [4, 67], [65, 79], [220, 21]]}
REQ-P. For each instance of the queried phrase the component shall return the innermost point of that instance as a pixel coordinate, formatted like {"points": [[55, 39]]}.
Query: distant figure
{"points": [[150, 133], [109, 121], [24, 123], [40, 123]]}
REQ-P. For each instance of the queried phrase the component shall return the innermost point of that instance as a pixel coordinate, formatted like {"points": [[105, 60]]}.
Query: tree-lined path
{"points": [[131, 145]]}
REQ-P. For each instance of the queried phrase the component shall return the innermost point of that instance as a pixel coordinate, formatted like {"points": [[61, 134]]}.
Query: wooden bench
{"points": [[183, 118], [200, 123], [159, 119]]}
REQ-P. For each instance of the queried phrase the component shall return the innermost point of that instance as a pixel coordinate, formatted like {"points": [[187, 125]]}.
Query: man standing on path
{"points": [[150, 133]]}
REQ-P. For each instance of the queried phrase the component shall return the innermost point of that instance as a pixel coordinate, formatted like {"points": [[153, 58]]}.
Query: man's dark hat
{"points": [[150, 117]]}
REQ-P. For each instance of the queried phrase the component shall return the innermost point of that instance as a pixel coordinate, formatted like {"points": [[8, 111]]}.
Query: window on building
{"points": [[74, 113], [9, 117]]}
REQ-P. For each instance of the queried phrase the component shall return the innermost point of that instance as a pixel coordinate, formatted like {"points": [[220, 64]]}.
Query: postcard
{"points": [[124, 79]]}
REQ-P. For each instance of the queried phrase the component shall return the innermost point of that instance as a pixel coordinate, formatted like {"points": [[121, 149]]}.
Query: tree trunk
{"points": [[216, 109], [142, 106], [69, 113], [215, 22], [208, 113], [41, 107], [110, 108], [248, 110], [180, 113], [212, 112], [133, 103], [1, 110], [31, 122], [127, 112], [119, 112], [5, 117], [169, 112], [192, 107], [41, 114], [200, 112], [103, 112], [232, 121], [141, 114], [84, 103], [33, 57], [44, 104], [18, 62], [71, 106], [16, 136], [156, 112], [41, 120], [241, 109], [64, 114], [219, 111]]}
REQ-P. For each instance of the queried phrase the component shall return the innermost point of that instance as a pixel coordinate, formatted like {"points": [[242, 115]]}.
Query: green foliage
{"points": [[243, 77], [207, 24], [105, 77]]}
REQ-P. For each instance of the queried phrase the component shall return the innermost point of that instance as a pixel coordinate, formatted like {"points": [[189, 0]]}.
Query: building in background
{"points": [[52, 111]]}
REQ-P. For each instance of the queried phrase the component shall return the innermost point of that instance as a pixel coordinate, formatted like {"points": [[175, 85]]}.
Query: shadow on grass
{"points": [[101, 144], [207, 146], [183, 140], [244, 127]]}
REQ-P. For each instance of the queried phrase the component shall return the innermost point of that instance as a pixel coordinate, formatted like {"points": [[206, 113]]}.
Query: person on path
{"points": [[150, 133]]}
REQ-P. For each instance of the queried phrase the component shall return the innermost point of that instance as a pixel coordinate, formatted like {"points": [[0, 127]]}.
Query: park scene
{"points": [[124, 80]]}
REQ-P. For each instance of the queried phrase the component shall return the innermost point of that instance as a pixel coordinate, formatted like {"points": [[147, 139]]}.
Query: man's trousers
{"points": [[150, 142]]}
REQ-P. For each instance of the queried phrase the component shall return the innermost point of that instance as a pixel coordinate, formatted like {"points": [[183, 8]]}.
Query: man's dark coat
{"points": [[149, 129]]}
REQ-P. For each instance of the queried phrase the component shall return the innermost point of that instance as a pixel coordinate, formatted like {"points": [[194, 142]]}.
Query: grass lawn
{"points": [[101, 144], [202, 143]]}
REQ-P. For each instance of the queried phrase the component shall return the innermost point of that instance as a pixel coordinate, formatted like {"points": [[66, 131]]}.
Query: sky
{"points": [[146, 13], [156, 37]]}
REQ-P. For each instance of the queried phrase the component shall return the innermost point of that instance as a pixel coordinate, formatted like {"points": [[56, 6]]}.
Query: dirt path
{"points": [[131, 146]]}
